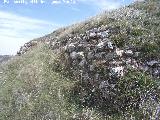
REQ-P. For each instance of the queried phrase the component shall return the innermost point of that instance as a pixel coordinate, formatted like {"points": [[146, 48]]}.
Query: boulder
{"points": [[102, 44], [128, 61], [33, 43], [105, 34], [136, 54], [100, 55], [70, 48], [97, 76], [156, 72], [111, 56], [119, 52], [80, 47], [73, 55], [90, 55], [152, 63], [81, 55], [110, 45], [92, 35], [117, 71], [83, 63], [91, 67], [95, 30], [128, 52]]}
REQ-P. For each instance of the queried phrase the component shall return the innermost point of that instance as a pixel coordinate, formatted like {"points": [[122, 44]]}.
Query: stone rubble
{"points": [[27, 47], [96, 59], [94, 49]]}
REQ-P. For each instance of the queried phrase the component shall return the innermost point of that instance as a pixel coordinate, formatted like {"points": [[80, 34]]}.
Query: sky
{"points": [[24, 20]]}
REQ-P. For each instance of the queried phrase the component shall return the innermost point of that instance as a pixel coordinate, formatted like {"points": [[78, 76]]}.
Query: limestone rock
{"points": [[119, 52], [102, 44], [117, 71], [70, 48], [110, 45], [128, 52], [73, 55], [152, 63], [83, 63]]}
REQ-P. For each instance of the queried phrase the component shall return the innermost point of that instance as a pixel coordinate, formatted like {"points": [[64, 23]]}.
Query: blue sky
{"points": [[20, 22]]}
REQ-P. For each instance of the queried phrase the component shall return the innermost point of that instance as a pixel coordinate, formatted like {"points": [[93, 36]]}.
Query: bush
{"points": [[119, 40], [150, 50], [137, 32], [128, 95], [133, 87]]}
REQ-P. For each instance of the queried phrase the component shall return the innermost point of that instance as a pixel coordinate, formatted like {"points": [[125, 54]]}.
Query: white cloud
{"points": [[103, 4], [139, 0], [56, 2], [15, 30]]}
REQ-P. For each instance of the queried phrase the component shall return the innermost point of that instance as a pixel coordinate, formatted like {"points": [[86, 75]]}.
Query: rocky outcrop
{"points": [[94, 58], [94, 50], [33, 43], [26, 47], [4, 58]]}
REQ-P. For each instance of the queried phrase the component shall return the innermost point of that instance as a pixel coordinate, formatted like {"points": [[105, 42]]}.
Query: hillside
{"points": [[4, 58], [107, 67]]}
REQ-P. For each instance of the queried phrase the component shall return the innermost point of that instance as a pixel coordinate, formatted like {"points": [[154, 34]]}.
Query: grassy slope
{"points": [[4, 58], [30, 89]]}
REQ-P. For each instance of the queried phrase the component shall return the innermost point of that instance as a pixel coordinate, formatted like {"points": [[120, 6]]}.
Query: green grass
{"points": [[38, 85], [30, 89]]}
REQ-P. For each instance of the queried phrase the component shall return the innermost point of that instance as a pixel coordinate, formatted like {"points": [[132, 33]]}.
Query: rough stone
{"points": [[119, 52], [102, 44], [73, 55], [110, 45], [100, 55], [104, 34], [128, 52], [83, 63], [70, 47], [136, 54], [90, 55], [92, 35], [117, 71], [152, 63], [81, 54], [91, 67]]}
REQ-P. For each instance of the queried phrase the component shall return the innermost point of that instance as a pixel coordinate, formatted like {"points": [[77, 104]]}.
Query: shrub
{"points": [[127, 95], [133, 87], [150, 50], [136, 32], [119, 40]]}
